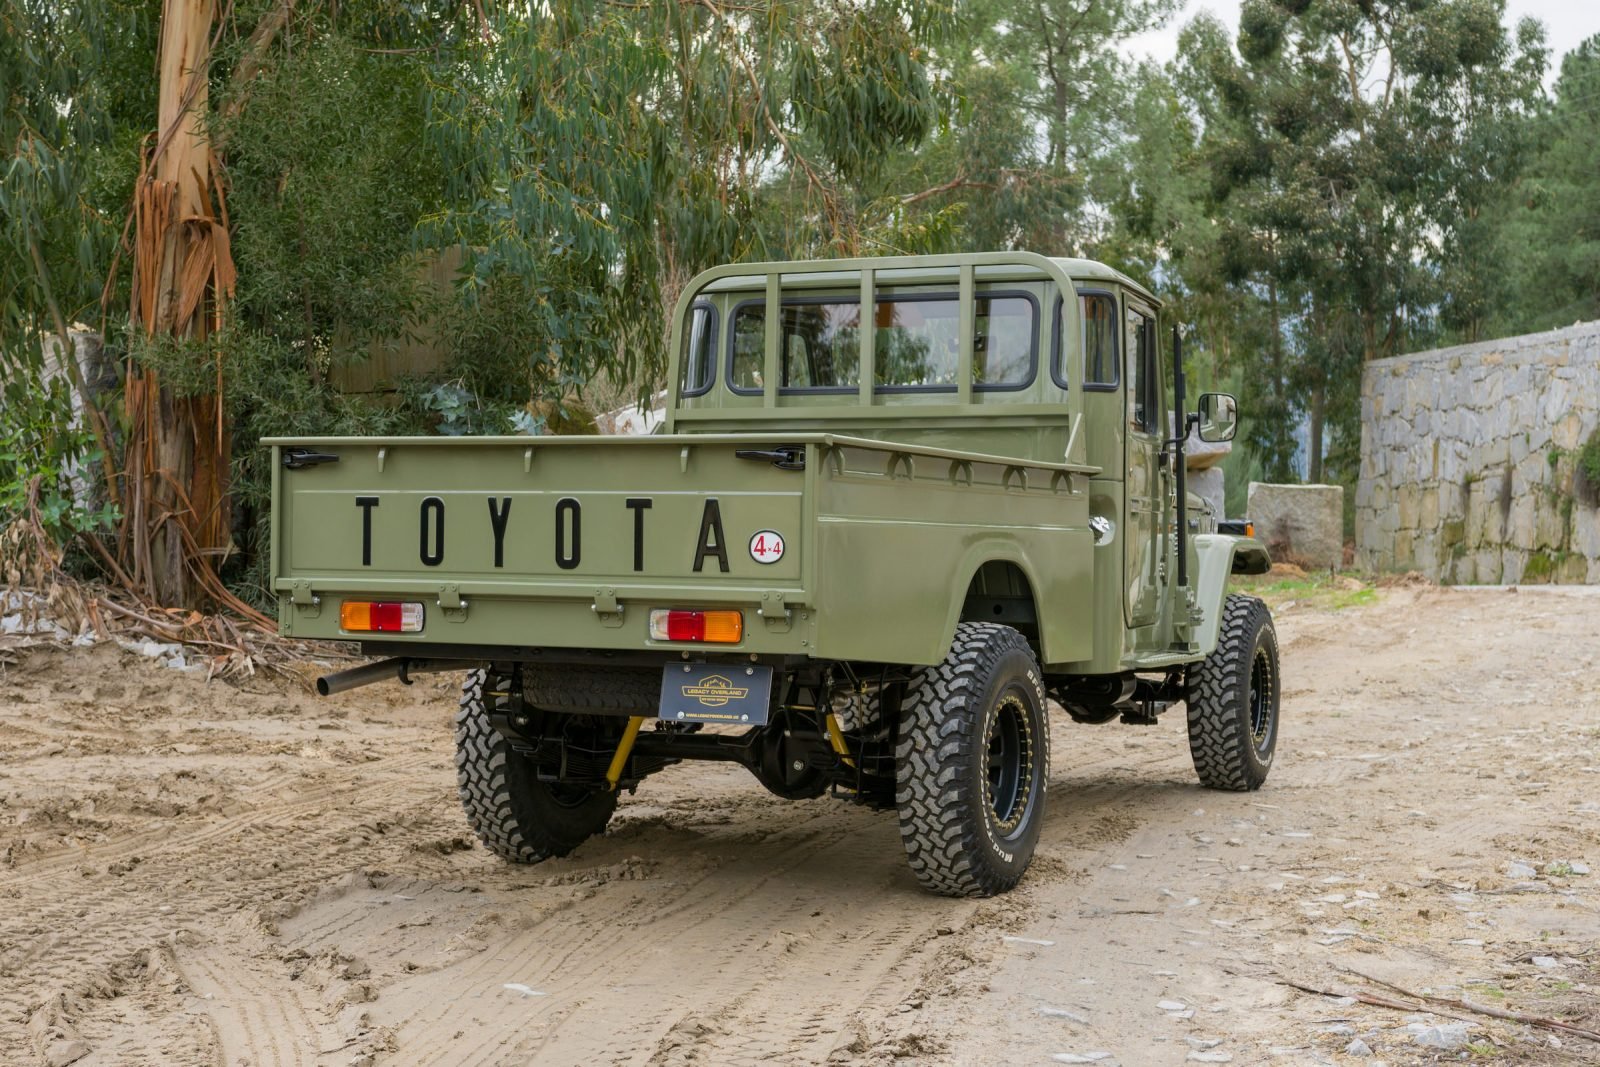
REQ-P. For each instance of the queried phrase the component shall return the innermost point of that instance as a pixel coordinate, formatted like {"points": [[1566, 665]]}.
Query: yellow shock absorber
{"points": [[624, 749], [836, 736]]}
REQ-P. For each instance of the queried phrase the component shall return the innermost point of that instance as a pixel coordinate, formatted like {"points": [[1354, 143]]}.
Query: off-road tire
{"points": [[592, 689], [957, 842], [516, 816], [1233, 696]]}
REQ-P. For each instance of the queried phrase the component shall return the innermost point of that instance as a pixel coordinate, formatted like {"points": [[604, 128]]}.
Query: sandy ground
{"points": [[210, 874]]}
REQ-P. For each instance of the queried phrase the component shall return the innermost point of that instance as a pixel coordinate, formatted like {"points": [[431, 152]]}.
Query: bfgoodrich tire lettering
{"points": [[972, 764], [1233, 697], [516, 816]]}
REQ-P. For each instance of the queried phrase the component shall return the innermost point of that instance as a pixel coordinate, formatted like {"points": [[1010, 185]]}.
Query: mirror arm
{"points": [[1175, 444]]}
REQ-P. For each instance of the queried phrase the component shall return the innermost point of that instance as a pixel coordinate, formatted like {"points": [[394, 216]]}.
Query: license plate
{"points": [[714, 693]]}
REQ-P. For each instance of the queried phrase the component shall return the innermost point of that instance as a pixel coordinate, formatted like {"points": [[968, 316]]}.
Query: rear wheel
{"points": [[1233, 697], [517, 816], [972, 764]]}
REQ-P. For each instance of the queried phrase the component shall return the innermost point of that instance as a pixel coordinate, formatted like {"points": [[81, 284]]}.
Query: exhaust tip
{"points": [[323, 689]]}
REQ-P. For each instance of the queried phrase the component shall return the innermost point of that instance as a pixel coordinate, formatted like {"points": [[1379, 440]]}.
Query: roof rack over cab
{"points": [[776, 278]]}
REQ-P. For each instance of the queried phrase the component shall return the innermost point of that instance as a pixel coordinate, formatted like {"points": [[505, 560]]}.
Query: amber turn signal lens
{"points": [[711, 627], [367, 616]]}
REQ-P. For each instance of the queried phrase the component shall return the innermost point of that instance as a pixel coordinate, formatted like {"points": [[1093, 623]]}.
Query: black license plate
{"points": [[715, 693]]}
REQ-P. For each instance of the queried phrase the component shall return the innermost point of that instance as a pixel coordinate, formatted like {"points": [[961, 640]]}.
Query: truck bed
{"points": [[517, 544]]}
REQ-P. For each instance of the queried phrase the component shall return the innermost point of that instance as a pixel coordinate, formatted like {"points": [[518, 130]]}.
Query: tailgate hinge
{"points": [[308, 603], [607, 609], [452, 605], [773, 612]]}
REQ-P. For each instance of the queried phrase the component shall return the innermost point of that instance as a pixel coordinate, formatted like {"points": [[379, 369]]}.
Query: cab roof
{"points": [[909, 270]]}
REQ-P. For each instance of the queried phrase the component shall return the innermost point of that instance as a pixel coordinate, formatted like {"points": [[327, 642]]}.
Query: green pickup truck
{"points": [[899, 504]]}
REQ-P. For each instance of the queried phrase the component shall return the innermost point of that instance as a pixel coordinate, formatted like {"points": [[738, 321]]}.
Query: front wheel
{"points": [[517, 816], [972, 764], [1233, 697]]}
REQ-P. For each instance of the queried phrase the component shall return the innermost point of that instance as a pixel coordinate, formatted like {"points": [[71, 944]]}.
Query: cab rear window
{"points": [[916, 343]]}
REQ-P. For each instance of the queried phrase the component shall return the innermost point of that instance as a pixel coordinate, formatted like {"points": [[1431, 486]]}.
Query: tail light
{"points": [[389, 617], [711, 627]]}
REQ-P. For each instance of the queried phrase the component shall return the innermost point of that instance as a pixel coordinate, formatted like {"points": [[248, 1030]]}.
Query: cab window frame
{"points": [[1150, 370], [887, 298], [1058, 354], [685, 390]]}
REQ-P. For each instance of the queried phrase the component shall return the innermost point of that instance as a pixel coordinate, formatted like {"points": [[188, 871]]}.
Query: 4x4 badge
{"points": [[766, 546]]}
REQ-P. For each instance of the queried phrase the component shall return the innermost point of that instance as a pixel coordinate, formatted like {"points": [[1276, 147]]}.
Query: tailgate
{"points": [[502, 521]]}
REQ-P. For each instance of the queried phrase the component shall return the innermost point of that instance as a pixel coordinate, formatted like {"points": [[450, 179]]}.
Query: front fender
{"points": [[1219, 556]]}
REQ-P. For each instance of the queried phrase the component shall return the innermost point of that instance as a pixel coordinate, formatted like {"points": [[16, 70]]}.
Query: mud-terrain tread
{"points": [[590, 688], [486, 791], [1219, 741], [934, 803]]}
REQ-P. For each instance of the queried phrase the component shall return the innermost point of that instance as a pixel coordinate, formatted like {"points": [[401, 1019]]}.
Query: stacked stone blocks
{"points": [[1470, 466]]}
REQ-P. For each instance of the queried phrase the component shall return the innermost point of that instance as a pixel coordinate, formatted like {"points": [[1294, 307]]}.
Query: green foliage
{"points": [[1589, 458], [1316, 185], [1551, 232], [1541, 567], [714, 134], [39, 439]]}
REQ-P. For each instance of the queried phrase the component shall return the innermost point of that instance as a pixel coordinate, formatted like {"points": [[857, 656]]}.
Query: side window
{"points": [[699, 350], [1099, 312], [1142, 405]]}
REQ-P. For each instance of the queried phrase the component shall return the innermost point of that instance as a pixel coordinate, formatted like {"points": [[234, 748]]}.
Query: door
{"points": [[1143, 487]]}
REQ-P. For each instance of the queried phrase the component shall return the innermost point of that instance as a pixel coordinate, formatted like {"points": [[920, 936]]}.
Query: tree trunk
{"points": [[178, 446], [1319, 396]]}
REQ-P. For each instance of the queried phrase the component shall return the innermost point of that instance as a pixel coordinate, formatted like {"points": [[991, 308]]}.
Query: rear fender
{"points": [[996, 550], [1220, 556]]}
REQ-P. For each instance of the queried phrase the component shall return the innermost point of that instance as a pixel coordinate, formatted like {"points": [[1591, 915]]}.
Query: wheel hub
{"points": [[1008, 783], [1263, 692]]}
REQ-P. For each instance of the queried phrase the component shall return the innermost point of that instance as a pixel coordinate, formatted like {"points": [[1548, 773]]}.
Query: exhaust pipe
{"points": [[401, 667]]}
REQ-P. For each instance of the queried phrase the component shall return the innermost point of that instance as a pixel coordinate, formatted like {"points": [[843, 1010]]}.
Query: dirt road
{"points": [[204, 874]]}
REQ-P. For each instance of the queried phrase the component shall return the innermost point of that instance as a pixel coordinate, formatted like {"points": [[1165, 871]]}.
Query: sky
{"points": [[1566, 23]]}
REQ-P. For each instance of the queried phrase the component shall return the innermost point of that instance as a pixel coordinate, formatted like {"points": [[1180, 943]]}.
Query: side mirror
{"points": [[1219, 417]]}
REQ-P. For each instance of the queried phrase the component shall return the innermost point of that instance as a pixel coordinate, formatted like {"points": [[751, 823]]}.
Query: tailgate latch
{"points": [[773, 612], [296, 458], [607, 609], [784, 457], [452, 605]]}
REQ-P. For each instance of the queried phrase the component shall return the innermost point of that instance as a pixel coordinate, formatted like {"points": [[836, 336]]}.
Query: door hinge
{"points": [[774, 613], [452, 605], [607, 608], [305, 601]]}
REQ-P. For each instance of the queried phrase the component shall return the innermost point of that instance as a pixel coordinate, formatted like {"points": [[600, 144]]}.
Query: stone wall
{"points": [[1470, 460]]}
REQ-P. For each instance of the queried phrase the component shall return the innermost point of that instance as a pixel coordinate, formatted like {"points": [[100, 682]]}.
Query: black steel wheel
{"points": [[1233, 697], [518, 817], [972, 764]]}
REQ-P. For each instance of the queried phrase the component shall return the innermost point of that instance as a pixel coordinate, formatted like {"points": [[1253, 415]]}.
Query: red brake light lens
{"points": [[368, 616], [712, 627]]}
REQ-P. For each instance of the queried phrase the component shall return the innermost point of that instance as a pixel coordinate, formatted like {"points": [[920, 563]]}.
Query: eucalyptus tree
{"points": [[1552, 234], [1346, 147], [73, 78], [600, 153]]}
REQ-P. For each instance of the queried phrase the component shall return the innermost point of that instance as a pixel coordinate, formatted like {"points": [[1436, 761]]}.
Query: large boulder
{"points": [[1301, 524]]}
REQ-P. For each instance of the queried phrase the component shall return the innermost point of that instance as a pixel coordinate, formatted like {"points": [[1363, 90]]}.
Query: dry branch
{"points": [[1450, 1007]]}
